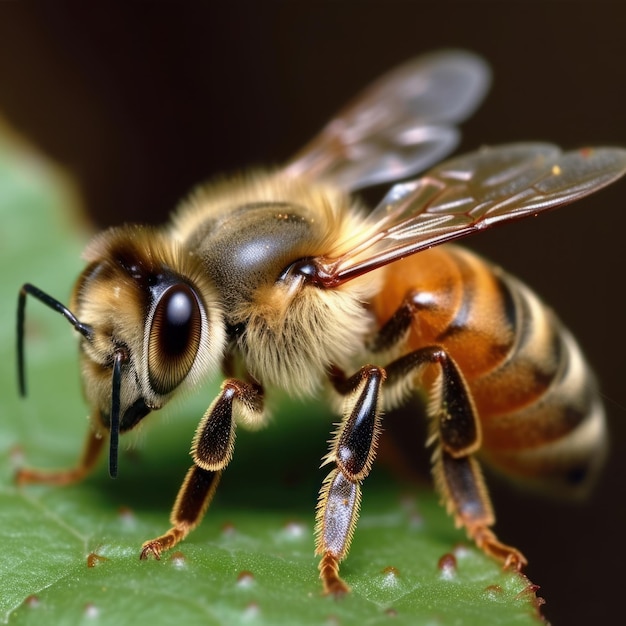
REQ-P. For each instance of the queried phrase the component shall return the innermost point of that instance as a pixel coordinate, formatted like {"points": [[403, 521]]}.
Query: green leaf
{"points": [[70, 555]]}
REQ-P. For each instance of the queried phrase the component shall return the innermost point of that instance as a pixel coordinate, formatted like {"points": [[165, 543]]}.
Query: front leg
{"points": [[91, 453], [352, 451], [211, 450]]}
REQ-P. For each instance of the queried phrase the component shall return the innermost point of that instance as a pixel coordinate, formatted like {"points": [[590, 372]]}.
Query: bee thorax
{"points": [[294, 345]]}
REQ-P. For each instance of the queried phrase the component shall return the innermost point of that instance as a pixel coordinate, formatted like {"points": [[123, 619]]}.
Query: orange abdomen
{"points": [[535, 396]]}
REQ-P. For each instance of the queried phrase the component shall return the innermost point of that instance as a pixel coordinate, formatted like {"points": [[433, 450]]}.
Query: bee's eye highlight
{"points": [[174, 340]]}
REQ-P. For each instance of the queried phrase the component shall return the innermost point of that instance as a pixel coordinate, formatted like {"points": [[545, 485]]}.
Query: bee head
{"points": [[150, 324]]}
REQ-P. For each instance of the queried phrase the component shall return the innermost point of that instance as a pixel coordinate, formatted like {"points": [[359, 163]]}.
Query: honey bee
{"points": [[284, 281]]}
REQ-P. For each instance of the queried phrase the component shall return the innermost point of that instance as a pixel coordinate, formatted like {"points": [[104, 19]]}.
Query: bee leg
{"points": [[191, 503], [211, 450], [456, 430], [93, 447], [352, 450], [465, 493]]}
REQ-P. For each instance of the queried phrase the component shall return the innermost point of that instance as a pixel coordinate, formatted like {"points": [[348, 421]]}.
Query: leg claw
{"points": [[151, 548]]}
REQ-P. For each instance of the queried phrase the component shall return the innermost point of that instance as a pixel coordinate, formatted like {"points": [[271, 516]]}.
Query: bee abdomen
{"points": [[552, 431], [536, 397]]}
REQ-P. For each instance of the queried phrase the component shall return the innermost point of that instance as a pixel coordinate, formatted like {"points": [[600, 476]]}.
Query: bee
{"points": [[283, 280]]}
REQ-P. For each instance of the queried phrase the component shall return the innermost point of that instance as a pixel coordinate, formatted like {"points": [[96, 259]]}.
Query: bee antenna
{"points": [[27, 289], [120, 357]]}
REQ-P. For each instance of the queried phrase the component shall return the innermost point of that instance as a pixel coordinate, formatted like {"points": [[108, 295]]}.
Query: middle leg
{"points": [[455, 432], [352, 450]]}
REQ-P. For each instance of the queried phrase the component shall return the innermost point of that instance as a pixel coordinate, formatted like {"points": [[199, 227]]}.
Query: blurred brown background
{"points": [[140, 101]]}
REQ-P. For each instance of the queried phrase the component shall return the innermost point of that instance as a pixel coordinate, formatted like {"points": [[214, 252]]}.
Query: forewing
{"points": [[470, 193], [400, 125]]}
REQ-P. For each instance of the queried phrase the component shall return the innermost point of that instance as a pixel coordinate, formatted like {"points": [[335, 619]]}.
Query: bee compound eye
{"points": [[174, 340]]}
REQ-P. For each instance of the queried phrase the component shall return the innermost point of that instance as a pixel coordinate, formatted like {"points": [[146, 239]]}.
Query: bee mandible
{"points": [[283, 280]]}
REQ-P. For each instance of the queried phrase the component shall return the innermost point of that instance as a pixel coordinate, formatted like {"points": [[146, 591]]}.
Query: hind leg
{"points": [[456, 435]]}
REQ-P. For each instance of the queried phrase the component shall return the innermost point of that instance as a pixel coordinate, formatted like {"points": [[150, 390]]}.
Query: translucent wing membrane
{"points": [[400, 125], [469, 193]]}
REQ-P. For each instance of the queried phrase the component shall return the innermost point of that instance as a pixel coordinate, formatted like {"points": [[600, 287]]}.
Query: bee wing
{"points": [[400, 125], [471, 193]]}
